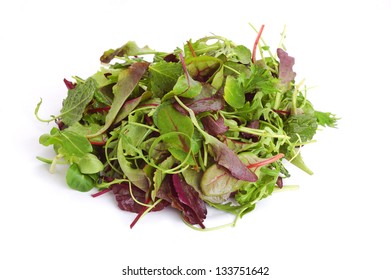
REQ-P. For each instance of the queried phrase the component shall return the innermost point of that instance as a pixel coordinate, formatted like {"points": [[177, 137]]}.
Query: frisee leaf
{"points": [[326, 119]]}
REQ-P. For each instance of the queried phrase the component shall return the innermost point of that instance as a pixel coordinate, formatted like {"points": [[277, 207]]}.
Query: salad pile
{"points": [[207, 125]]}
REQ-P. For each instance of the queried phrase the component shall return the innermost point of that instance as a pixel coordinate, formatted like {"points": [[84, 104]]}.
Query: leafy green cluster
{"points": [[206, 116]]}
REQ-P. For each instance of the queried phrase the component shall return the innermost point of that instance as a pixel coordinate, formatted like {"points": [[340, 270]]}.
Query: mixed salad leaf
{"points": [[206, 125]]}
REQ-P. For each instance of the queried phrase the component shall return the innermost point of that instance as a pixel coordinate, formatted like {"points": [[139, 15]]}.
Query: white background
{"points": [[336, 226]]}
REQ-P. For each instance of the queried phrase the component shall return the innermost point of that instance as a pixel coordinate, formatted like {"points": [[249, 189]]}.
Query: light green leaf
{"points": [[185, 87], [240, 54], [67, 143], [90, 164], [135, 175], [233, 93], [78, 181]]}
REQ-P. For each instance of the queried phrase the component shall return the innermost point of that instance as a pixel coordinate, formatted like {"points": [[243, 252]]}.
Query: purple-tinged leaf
{"points": [[127, 203], [184, 198], [202, 68], [127, 82], [217, 180], [251, 124], [206, 101], [285, 71], [194, 208], [214, 127], [171, 58], [209, 104], [69, 84], [225, 157], [129, 106]]}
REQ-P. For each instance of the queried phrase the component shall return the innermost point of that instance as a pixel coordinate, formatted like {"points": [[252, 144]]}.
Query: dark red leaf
{"points": [[184, 198], [214, 127], [69, 84], [251, 124], [225, 157], [126, 202], [194, 208]]}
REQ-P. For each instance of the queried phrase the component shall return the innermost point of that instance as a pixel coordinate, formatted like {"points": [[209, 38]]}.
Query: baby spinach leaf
{"points": [[79, 181]]}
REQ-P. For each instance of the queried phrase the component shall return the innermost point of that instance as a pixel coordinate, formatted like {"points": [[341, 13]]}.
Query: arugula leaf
{"points": [[251, 193], [67, 143]]}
